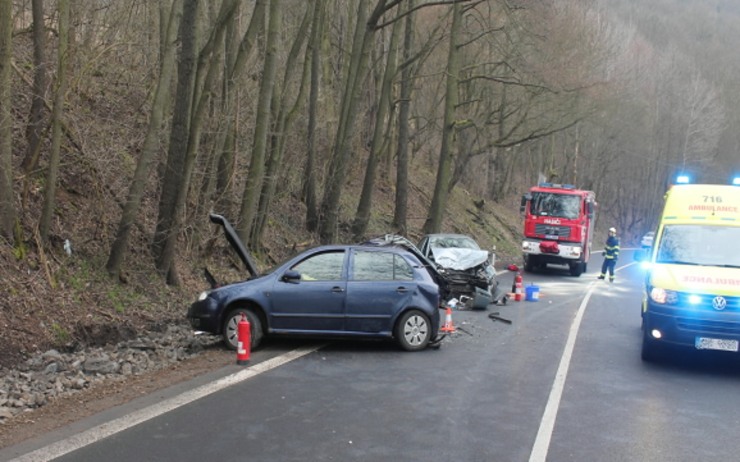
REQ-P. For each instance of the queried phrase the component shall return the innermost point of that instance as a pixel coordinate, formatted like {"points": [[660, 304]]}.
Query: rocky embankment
{"points": [[52, 374]]}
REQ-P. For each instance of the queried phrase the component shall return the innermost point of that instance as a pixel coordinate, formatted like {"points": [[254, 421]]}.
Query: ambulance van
{"points": [[692, 282]]}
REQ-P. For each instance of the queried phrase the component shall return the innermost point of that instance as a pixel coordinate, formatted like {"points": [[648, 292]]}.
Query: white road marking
{"points": [[99, 432], [547, 424]]}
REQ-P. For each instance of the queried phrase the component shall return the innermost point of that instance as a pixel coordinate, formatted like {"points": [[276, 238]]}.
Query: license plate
{"points": [[706, 343]]}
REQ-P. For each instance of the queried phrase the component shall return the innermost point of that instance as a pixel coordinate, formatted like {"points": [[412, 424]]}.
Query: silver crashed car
{"points": [[468, 269]]}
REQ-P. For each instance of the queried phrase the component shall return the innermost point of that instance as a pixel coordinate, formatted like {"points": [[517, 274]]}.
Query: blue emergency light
{"points": [[736, 181], [556, 185], [683, 179]]}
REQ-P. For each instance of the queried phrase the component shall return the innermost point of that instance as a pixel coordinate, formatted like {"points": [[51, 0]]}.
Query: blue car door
{"points": [[380, 285], [315, 303]]}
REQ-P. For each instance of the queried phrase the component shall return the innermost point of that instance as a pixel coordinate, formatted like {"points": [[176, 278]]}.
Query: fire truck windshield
{"points": [[555, 205]]}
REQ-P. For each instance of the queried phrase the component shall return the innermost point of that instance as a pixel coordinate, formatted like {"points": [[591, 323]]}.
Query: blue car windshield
{"points": [[706, 245]]}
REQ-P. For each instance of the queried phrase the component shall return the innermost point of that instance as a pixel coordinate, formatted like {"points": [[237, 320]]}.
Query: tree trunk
{"points": [[56, 123], [36, 117], [7, 208], [433, 222], [329, 210], [402, 161], [283, 122], [151, 143], [173, 176], [309, 185], [362, 217], [236, 64], [208, 61], [255, 177]]}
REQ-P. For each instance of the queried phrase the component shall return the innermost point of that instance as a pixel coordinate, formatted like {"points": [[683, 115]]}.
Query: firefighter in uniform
{"points": [[611, 254]]}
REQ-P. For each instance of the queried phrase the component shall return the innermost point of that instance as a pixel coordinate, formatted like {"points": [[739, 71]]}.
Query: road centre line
{"points": [[547, 424], [99, 432]]}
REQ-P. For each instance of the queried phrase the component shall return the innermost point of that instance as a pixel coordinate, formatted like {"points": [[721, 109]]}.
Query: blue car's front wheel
{"points": [[413, 330], [231, 328]]}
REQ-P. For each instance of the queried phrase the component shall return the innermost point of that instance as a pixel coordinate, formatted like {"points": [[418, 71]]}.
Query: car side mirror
{"points": [[291, 276], [523, 204]]}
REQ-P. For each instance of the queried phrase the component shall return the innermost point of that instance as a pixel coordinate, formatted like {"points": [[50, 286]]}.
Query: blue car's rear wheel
{"points": [[413, 331]]}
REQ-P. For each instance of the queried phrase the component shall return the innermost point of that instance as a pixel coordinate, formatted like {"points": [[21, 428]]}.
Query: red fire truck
{"points": [[558, 226]]}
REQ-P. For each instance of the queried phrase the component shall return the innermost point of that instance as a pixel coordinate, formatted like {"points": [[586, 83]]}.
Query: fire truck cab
{"points": [[558, 226]]}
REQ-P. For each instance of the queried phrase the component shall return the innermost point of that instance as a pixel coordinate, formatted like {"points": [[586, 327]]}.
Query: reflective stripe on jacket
{"points": [[611, 251]]}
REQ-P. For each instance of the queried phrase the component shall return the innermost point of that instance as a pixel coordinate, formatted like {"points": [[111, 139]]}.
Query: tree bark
{"points": [[285, 114], [329, 210], [255, 177], [402, 161], [34, 128], [309, 185], [225, 144], [362, 217], [151, 143], [433, 222], [205, 75], [173, 175], [7, 208], [56, 122]]}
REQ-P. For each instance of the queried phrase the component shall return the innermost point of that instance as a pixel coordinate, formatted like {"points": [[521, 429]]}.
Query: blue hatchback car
{"points": [[370, 291]]}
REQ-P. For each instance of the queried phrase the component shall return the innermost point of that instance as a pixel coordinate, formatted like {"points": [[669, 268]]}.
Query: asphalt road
{"points": [[562, 382]]}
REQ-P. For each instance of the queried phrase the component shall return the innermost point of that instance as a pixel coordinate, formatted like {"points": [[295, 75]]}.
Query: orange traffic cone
{"points": [[448, 327]]}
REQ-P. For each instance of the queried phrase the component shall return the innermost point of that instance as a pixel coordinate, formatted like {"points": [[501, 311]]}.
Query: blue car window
{"points": [[372, 266], [402, 271], [380, 266], [322, 267]]}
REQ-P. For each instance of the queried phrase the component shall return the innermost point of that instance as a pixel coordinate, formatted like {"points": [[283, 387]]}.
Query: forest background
{"points": [[124, 123]]}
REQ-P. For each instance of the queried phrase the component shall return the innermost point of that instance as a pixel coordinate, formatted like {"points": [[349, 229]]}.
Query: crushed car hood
{"points": [[459, 259]]}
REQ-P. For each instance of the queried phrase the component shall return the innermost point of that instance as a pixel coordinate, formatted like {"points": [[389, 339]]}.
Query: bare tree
{"points": [[255, 176], [436, 211], [287, 103], [402, 148], [151, 143], [173, 176], [309, 183], [52, 175], [34, 129], [7, 209], [380, 132]]}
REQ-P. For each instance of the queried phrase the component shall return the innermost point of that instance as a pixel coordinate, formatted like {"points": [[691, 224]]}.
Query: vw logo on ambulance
{"points": [[719, 303]]}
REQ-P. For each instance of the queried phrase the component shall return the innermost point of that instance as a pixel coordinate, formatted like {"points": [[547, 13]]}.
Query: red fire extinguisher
{"points": [[244, 341], [518, 287]]}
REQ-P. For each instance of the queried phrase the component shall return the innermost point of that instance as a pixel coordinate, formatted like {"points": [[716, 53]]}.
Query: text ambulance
{"points": [[692, 286]]}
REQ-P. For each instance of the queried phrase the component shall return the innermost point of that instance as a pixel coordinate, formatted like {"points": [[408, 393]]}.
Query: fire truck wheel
{"points": [[576, 269]]}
